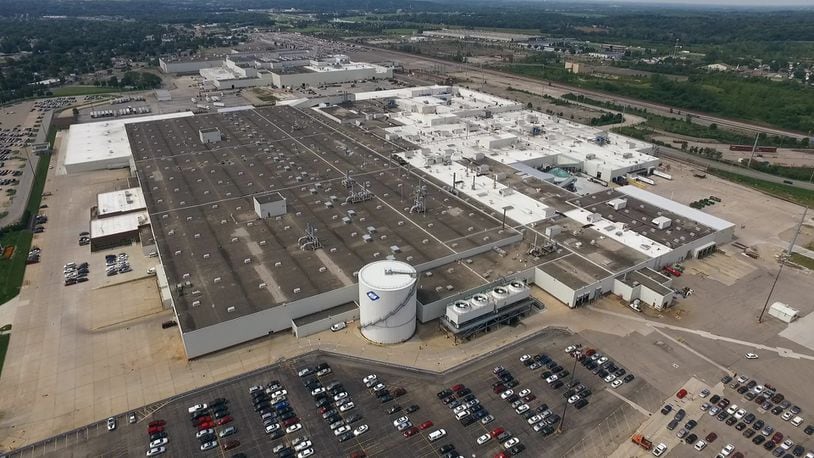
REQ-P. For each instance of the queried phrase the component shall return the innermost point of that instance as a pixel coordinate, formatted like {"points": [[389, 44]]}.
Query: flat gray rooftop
{"points": [[639, 215], [574, 271], [199, 197]]}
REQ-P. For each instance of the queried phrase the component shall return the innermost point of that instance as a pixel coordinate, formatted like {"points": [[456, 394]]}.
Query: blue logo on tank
{"points": [[373, 296]]}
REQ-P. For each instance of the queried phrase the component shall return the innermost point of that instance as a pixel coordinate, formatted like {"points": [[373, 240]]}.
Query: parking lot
{"points": [[729, 415], [604, 410]]}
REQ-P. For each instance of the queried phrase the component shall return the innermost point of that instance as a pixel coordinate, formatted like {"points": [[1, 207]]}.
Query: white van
{"points": [[437, 434]]}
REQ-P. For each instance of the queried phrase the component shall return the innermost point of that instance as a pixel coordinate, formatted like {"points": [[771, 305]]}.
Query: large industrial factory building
{"points": [[397, 207]]}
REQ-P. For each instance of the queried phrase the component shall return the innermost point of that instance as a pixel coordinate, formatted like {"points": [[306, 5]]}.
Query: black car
{"points": [[353, 418], [511, 399], [742, 389], [758, 439], [690, 425], [758, 425], [768, 445], [722, 415], [628, 378], [680, 415], [584, 393], [393, 409], [346, 436], [512, 383], [468, 397], [581, 403], [777, 410], [444, 393], [672, 425], [749, 419], [517, 449], [602, 374], [385, 399], [714, 399], [157, 436], [809, 430], [557, 385], [691, 439], [446, 448], [748, 432], [798, 450], [666, 409], [731, 421], [411, 409]]}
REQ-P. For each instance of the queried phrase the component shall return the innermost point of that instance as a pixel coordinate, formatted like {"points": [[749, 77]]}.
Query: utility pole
{"points": [[576, 355], [783, 259], [754, 149]]}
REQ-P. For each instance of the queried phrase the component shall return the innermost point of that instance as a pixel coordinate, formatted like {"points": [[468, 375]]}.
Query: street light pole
{"points": [[577, 354], [783, 259]]}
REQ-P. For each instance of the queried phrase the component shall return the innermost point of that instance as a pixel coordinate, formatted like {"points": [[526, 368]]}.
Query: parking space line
{"points": [[631, 403]]}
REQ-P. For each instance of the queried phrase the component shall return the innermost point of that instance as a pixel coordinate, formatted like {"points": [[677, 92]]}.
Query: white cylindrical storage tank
{"points": [[387, 302]]}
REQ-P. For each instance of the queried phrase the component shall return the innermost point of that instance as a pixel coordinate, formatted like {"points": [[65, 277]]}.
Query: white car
{"points": [[610, 378], [204, 432], [346, 406], [272, 427], [339, 326], [437, 434], [318, 390], [305, 371], [714, 411], [208, 446], [484, 439], [521, 408], [511, 443], [460, 408], [535, 419], [705, 406], [196, 408], [758, 389], [569, 349], [732, 409], [797, 421], [602, 360], [660, 449], [323, 372], [341, 430], [552, 378], [616, 383], [787, 444], [461, 414], [156, 451], [740, 414], [787, 415], [360, 430], [293, 428], [341, 395], [255, 388], [302, 445], [727, 450], [370, 378], [700, 445], [405, 425], [524, 392], [742, 378], [573, 399], [158, 442], [111, 424], [751, 356], [379, 387], [400, 420], [305, 453], [704, 393], [525, 358], [279, 393], [506, 394]]}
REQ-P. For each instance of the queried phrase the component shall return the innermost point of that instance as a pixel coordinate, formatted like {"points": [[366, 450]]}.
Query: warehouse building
{"points": [[187, 65], [295, 220]]}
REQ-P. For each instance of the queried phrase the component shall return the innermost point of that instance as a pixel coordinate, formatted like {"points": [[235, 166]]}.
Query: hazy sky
{"points": [[760, 3]]}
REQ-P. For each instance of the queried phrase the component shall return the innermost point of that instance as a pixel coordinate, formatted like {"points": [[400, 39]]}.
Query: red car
{"points": [[457, 388], [155, 429], [224, 420], [410, 432], [499, 388], [711, 437], [590, 352], [497, 432], [291, 421], [157, 423], [672, 271], [200, 420], [206, 425], [502, 454], [681, 393], [358, 454], [777, 438], [529, 397], [425, 425], [229, 445]]}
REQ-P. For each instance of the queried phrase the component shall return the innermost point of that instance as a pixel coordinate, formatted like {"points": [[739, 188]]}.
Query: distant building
{"points": [[717, 67], [187, 65]]}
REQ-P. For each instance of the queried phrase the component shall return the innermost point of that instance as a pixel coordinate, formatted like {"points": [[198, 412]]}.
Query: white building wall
{"points": [[556, 288], [249, 327], [625, 291], [339, 76], [187, 66]]}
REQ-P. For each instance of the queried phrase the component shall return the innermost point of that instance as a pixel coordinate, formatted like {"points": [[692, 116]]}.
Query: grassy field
{"points": [[12, 270], [790, 193], [804, 261], [66, 91]]}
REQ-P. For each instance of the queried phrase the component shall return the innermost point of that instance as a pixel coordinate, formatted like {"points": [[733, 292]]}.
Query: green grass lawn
{"points": [[66, 91], [804, 261], [12, 270], [790, 193]]}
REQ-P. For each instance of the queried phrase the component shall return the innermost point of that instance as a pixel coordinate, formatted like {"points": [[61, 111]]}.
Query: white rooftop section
{"points": [[451, 124], [122, 201], [117, 224], [101, 145], [698, 216], [616, 231]]}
